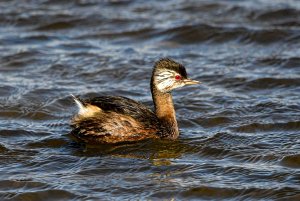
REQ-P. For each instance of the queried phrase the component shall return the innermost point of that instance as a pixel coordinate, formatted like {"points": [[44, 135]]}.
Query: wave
{"points": [[260, 127]]}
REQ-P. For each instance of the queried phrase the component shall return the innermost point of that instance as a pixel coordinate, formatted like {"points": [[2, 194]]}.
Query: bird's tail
{"points": [[80, 105], [85, 110]]}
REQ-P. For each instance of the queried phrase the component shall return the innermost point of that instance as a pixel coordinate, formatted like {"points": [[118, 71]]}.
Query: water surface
{"points": [[239, 130]]}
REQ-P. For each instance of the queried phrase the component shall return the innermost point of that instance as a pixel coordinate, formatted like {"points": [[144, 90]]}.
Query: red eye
{"points": [[177, 77]]}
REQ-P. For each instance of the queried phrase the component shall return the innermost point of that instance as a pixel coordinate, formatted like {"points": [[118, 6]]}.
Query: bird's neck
{"points": [[164, 109]]}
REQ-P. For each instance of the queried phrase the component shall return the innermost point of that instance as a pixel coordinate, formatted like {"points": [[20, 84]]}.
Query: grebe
{"points": [[113, 119]]}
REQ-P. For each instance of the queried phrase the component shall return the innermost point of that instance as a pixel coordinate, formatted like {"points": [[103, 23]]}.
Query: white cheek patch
{"points": [[164, 80], [165, 86]]}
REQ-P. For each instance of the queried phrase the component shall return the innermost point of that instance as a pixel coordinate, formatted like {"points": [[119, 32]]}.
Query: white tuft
{"points": [[81, 107], [85, 111]]}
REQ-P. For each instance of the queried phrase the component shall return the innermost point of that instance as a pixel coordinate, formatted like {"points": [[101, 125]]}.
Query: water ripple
{"points": [[239, 129]]}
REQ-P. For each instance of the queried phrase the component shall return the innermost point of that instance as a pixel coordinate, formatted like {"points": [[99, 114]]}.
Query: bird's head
{"points": [[168, 75]]}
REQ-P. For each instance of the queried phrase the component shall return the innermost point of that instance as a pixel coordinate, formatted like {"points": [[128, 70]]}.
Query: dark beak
{"points": [[190, 82]]}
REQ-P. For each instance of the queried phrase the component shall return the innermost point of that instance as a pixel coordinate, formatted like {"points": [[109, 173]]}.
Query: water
{"points": [[239, 130]]}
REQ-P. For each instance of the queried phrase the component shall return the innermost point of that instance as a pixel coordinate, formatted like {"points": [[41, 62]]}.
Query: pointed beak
{"points": [[191, 82]]}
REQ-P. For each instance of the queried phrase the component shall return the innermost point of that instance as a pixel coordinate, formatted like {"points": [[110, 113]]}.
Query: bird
{"points": [[117, 119]]}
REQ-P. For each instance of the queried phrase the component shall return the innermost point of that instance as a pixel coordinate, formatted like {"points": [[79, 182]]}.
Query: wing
{"points": [[124, 106]]}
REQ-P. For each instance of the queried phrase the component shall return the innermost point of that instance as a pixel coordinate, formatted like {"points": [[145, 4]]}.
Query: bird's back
{"points": [[112, 119]]}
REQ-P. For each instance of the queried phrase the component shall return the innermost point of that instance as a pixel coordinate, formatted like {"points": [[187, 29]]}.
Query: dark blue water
{"points": [[239, 130]]}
